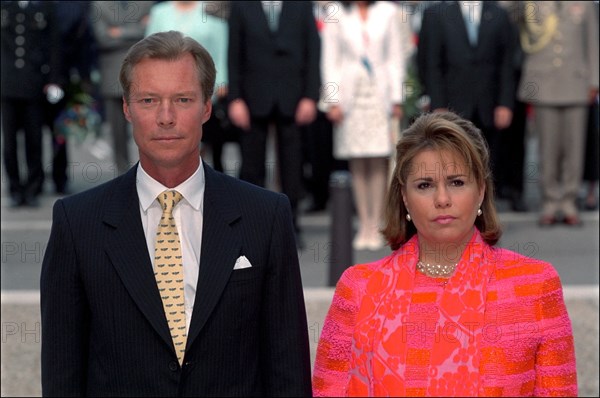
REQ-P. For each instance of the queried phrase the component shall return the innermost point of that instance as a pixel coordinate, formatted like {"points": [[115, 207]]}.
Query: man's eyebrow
{"points": [[187, 93], [153, 94]]}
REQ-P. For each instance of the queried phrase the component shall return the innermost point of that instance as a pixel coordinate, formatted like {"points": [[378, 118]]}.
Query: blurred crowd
{"points": [[334, 84]]}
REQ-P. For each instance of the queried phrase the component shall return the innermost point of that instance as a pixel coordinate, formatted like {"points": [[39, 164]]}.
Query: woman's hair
{"points": [[443, 131], [169, 46]]}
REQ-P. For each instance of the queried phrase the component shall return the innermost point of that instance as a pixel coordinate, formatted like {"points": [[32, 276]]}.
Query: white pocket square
{"points": [[241, 263]]}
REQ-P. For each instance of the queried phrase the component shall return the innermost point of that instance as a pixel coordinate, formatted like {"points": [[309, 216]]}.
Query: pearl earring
{"points": [[408, 217], [479, 212]]}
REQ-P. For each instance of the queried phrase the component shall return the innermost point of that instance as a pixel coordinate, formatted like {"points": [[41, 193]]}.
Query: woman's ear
{"points": [[481, 195], [403, 192]]}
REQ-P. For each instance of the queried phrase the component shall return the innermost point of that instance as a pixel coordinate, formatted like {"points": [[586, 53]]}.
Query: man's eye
{"points": [[147, 101], [184, 100]]}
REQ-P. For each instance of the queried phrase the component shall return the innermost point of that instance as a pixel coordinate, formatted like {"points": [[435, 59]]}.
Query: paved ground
{"points": [[573, 251]]}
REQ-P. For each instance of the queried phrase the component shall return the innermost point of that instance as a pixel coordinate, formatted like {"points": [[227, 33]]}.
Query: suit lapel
{"points": [[221, 246], [258, 17], [283, 14], [128, 253], [485, 25], [455, 14]]}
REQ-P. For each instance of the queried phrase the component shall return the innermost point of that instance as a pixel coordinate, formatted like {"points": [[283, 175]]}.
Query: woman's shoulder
{"points": [[510, 264], [359, 274]]}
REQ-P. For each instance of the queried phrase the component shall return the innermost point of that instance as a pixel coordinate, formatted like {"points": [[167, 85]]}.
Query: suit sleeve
{"points": [[591, 42], [313, 56], [431, 57], [555, 370], [395, 61], [331, 64], [284, 339], [64, 314], [334, 352], [507, 71], [234, 56]]}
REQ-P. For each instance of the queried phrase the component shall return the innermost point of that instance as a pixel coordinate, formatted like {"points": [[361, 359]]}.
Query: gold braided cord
{"points": [[536, 34]]}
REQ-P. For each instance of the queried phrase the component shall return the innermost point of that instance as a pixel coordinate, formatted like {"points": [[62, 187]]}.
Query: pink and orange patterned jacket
{"points": [[525, 347]]}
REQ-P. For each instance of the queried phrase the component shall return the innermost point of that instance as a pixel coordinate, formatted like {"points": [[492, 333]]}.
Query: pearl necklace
{"points": [[436, 270]]}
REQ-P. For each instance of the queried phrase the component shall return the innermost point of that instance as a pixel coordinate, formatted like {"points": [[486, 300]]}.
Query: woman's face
{"points": [[442, 198]]}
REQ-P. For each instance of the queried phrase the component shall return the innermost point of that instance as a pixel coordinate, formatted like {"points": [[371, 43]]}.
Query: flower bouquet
{"points": [[79, 119]]}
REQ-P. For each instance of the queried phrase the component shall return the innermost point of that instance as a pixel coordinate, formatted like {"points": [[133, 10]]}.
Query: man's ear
{"points": [[126, 110], [207, 111]]}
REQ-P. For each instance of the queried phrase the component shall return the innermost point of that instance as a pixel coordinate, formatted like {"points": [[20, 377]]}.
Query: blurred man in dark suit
{"points": [[274, 55], [31, 72], [466, 61]]}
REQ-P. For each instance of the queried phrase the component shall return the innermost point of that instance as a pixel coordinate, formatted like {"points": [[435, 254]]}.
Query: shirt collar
{"points": [[192, 189], [471, 9]]}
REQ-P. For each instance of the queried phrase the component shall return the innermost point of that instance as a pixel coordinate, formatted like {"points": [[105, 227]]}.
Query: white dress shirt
{"points": [[188, 217], [471, 11]]}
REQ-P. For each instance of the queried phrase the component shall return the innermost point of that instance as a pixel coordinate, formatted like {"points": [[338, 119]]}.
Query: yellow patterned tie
{"points": [[168, 270]]}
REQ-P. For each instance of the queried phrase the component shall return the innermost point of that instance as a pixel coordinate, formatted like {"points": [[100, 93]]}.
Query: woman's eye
{"points": [[458, 183], [423, 185]]}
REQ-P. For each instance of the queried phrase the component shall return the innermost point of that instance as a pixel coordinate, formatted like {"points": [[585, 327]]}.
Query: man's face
{"points": [[166, 110]]}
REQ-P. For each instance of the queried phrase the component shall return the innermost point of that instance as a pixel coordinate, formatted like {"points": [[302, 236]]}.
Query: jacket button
{"points": [[173, 366]]}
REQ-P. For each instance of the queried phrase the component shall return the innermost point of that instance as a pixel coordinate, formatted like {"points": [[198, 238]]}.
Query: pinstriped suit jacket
{"points": [[104, 331]]}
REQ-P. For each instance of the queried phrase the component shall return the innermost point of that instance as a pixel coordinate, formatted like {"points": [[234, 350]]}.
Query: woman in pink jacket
{"points": [[447, 313]]}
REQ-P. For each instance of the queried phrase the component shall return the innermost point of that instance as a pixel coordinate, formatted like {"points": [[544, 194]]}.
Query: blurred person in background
{"points": [[274, 79], [117, 25], [560, 79], [77, 61], [513, 138], [318, 136], [437, 317], [363, 71], [590, 169], [467, 53], [31, 77]]}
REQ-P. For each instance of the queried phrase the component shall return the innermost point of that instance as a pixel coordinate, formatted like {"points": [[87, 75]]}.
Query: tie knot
{"points": [[168, 200]]}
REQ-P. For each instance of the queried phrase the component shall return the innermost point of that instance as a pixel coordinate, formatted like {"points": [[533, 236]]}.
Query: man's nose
{"points": [[166, 114]]}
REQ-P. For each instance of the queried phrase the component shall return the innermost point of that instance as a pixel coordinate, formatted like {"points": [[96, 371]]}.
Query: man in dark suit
{"points": [[274, 78], [31, 64], [466, 62], [235, 323]]}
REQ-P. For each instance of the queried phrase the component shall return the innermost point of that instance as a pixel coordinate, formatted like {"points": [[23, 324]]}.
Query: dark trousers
{"points": [[492, 137], [289, 155], [512, 149], [217, 131], [28, 115], [59, 147], [590, 167], [318, 156], [113, 108]]}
